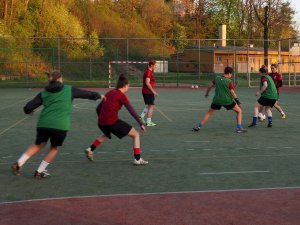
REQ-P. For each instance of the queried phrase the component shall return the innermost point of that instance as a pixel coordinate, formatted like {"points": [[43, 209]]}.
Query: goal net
{"points": [[134, 70]]}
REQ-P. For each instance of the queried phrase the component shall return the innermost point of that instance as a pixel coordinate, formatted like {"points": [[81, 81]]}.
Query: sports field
{"points": [[214, 176]]}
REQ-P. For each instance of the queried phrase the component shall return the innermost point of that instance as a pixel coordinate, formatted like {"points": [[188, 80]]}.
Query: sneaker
{"points": [[283, 116], [41, 175], [269, 125], [139, 162], [151, 124], [15, 169], [241, 130], [142, 118], [89, 154], [252, 125], [196, 129]]}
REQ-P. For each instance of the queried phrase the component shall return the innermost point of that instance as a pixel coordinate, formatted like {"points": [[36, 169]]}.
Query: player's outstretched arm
{"points": [[33, 104], [133, 113], [79, 93]]}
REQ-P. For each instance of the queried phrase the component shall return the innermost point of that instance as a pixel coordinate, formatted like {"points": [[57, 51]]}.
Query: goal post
{"points": [[133, 69]]}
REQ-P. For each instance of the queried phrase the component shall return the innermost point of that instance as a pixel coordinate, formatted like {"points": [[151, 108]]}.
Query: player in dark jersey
{"points": [[224, 96], [53, 122], [268, 96], [109, 122], [277, 78], [149, 94]]}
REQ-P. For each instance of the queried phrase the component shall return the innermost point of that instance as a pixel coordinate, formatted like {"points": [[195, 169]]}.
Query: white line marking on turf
{"points": [[16, 123], [233, 172], [8, 106], [153, 193], [164, 115], [12, 126]]}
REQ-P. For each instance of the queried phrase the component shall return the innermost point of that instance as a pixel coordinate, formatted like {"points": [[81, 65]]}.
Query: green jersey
{"points": [[57, 109], [223, 94], [271, 91]]}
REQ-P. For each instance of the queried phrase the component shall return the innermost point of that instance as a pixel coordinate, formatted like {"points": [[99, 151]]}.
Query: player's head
{"points": [[228, 70], [274, 67], [54, 75], [263, 69], [122, 81], [151, 63]]}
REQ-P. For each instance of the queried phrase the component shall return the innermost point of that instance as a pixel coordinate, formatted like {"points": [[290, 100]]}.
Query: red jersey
{"points": [[115, 99], [277, 78], [148, 74]]}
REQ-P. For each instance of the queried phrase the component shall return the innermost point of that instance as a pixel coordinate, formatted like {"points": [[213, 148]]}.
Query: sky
{"points": [[296, 6]]}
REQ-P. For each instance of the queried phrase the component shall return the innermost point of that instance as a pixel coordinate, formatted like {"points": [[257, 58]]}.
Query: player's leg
{"points": [[206, 117], [57, 138], [31, 151], [144, 112], [96, 143], [257, 106], [136, 147], [238, 110], [269, 114], [279, 109]]}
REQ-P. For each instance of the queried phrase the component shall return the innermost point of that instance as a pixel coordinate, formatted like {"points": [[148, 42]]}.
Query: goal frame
{"points": [[120, 62]]}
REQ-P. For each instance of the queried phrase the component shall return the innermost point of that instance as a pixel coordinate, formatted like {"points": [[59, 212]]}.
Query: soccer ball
{"points": [[196, 86], [261, 116]]}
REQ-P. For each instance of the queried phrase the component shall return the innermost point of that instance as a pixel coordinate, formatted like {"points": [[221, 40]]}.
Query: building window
{"points": [[219, 58]]}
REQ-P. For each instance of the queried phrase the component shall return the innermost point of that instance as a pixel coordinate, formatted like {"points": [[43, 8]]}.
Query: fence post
{"points": [[58, 53]]}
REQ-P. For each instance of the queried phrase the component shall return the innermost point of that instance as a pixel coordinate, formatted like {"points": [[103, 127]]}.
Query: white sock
{"points": [[42, 166], [144, 111], [23, 159], [148, 120]]}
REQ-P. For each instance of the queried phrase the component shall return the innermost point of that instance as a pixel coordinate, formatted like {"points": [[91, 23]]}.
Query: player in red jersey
{"points": [[149, 93], [277, 78], [109, 122]]}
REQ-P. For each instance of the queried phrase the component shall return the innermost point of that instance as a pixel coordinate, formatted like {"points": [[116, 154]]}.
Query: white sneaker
{"points": [[89, 154], [139, 162]]}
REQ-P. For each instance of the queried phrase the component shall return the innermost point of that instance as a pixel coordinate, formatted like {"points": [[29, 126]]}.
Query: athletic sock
{"points": [[239, 126], [144, 112], [199, 125], [137, 153], [42, 166], [254, 120], [23, 159], [270, 119], [148, 120], [95, 144]]}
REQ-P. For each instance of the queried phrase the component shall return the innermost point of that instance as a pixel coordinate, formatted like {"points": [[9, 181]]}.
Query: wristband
{"points": [[237, 101]]}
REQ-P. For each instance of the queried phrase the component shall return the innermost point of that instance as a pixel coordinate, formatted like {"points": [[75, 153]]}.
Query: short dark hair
{"points": [[228, 70], [122, 81], [274, 65], [151, 62], [263, 69]]}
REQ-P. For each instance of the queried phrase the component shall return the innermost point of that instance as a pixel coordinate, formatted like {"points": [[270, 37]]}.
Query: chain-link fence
{"points": [[182, 63]]}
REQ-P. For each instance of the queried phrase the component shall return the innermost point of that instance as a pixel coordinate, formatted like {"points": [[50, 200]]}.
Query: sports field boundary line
{"points": [[163, 114], [153, 193]]}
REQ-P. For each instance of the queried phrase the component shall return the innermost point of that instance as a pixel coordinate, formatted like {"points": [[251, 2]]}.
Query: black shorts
{"points": [[149, 99], [218, 107], [56, 136], [120, 129], [266, 101]]}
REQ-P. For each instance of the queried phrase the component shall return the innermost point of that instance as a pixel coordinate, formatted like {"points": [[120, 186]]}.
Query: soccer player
{"points": [[109, 122], [277, 78], [268, 96], [149, 94], [53, 122], [224, 96]]}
